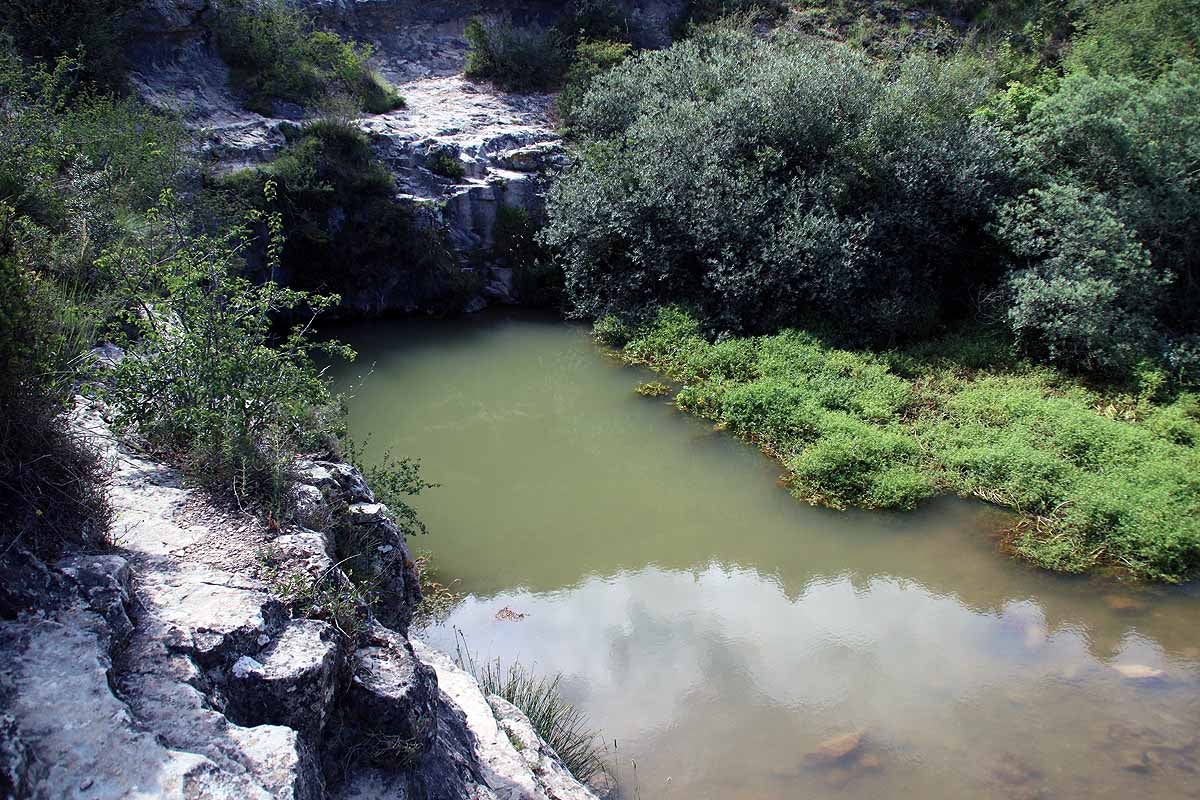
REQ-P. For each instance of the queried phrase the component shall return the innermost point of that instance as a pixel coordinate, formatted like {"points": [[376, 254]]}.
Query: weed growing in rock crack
{"points": [[448, 165], [560, 724], [401, 752], [329, 597]]}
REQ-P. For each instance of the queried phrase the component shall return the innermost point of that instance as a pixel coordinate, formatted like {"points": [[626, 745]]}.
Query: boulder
{"points": [[836, 749], [292, 681], [391, 699]]}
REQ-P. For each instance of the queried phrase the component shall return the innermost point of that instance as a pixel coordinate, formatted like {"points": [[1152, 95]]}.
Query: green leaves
{"points": [[209, 376], [278, 55], [765, 182]]}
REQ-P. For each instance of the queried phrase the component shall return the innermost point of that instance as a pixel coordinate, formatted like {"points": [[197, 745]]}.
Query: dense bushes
{"points": [[765, 183], [340, 220], [1103, 479], [592, 58], [276, 54], [1136, 37], [1129, 146], [205, 379], [1088, 297], [537, 278], [517, 59], [93, 31], [76, 170]]}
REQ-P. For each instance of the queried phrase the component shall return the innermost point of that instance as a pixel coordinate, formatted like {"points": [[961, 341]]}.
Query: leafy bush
{"points": [[538, 280], [1136, 37], [715, 176], [591, 59], [1135, 142], [52, 481], [46, 30], [592, 19], [275, 53], [76, 169], [702, 11], [448, 165], [1084, 293], [340, 220], [517, 59], [205, 379]]}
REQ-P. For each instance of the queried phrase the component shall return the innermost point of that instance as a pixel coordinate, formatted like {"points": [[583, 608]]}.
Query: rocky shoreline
{"points": [[173, 667]]}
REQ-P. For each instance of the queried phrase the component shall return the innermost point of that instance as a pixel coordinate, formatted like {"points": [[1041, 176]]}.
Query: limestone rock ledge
{"points": [[169, 668]]}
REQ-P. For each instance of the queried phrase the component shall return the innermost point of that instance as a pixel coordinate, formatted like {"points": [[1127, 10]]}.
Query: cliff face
{"points": [[172, 667], [506, 143]]}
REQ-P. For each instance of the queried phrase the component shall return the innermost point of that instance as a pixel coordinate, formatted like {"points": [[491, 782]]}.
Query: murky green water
{"points": [[720, 631]]}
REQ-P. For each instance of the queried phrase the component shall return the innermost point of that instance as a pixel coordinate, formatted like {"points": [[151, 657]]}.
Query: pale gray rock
{"points": [[291, 681], [534, 772]]}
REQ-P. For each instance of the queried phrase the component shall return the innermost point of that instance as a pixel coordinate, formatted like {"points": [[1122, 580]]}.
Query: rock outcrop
{"points": [[176, 666], [505, 143]]}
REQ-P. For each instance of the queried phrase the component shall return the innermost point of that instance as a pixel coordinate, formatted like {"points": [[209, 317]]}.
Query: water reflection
{"points": [[720, 631]]}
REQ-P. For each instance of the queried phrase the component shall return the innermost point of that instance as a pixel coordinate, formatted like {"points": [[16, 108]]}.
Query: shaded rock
{"points": [[307, 506], [1012, 770], [1135, 762], [836, 749], [391, 699], [15, 765], [292, 681], [1124, 603], [870, 763], [26, 583], [343, 479], [105, 583]]}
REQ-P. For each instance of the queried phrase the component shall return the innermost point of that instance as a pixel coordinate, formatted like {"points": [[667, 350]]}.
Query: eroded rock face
{"points": [[171, 669], [506, 143]]}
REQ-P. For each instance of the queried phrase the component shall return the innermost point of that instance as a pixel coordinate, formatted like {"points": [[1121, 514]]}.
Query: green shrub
{"points": [[52, 481], [205, 378], [276, 54], [713, 176], [94, 31], [1131, 143], [448, 165], [703, 11], [1084, 292], [517, 59], [591, 59], [610, 330], [1136, 37], [341, 221], [594, 19], [538, 280]]}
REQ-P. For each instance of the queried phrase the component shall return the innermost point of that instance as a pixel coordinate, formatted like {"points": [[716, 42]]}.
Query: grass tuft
{"points": [[561, 725]]}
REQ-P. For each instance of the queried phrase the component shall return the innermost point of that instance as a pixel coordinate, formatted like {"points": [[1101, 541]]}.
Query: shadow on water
{"points": [[720, 630]]}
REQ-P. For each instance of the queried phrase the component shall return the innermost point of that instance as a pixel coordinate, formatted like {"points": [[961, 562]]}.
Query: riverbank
{"points": [[1103, 479], [212, 653], [718, 630]]}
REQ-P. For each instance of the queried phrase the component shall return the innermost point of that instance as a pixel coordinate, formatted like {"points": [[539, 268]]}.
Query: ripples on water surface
{"points": [[720, 631]]}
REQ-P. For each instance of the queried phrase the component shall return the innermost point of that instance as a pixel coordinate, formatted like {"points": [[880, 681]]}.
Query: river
{"points": [[719, 632]]}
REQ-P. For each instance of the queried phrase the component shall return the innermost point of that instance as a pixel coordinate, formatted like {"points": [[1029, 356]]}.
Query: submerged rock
{"points": [[1138, 672], [838, 748]]}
